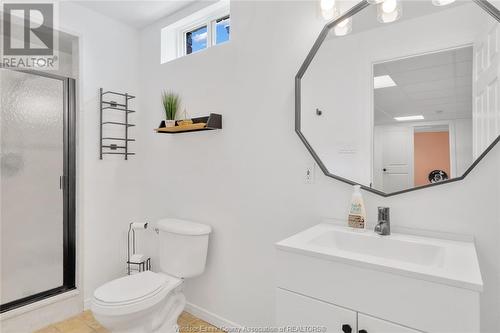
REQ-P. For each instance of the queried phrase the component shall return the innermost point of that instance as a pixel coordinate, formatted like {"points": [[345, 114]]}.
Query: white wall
{"points": [[339, 81], [108, 197], [247, 180]]}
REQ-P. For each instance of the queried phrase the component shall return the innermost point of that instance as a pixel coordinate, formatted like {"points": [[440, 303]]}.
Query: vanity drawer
{"points": [[367, 324], [297, 310]]}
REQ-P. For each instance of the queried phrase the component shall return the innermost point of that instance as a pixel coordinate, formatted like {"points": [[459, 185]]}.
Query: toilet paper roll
{"points": [[139, 226]]}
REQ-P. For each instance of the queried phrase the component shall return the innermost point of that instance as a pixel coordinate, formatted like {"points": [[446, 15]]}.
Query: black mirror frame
{"points": [[484, 4]]}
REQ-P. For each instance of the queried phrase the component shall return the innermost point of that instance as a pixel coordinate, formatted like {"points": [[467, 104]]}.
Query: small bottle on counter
{"points": [[357, 213]]}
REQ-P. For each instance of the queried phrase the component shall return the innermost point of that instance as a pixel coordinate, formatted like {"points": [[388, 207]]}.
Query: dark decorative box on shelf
{"points": [[207, 123]]}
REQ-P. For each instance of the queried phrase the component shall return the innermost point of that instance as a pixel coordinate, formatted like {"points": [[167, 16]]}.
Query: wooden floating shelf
{"points": [[207, 123]]}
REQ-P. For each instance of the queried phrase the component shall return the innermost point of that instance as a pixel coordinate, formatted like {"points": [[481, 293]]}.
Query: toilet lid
{"points": [[134, 287]]}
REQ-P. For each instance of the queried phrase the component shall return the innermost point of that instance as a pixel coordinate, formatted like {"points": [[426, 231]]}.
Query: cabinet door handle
{"points": [[346, 328], [363, 331]]}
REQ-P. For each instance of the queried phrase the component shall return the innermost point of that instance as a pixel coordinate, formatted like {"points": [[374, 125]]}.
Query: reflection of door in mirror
{"points": [[422, 118], [393, 147], [486, 116]]}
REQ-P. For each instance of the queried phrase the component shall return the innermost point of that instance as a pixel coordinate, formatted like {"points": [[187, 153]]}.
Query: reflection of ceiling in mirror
{"points": [[436, 85]]}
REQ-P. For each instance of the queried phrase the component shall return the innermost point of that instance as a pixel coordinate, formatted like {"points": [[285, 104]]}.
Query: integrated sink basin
{"points": [[390, 248], [451, 262]]}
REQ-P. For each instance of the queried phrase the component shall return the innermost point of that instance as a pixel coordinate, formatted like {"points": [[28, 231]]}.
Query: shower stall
{"points": [[37, 196]]}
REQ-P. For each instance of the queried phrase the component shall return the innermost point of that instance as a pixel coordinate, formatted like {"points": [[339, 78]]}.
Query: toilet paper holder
{"points": [[136, 260]]}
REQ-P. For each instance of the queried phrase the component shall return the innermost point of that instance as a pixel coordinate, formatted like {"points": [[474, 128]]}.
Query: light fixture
{"points": [[389, 11], [409, 118], [343, 27], [374, 2], [442, 2], [383, 81], [327, 9]]}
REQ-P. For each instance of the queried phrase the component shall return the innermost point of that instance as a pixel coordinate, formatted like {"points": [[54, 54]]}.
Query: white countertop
{"points": [[437, 260]]}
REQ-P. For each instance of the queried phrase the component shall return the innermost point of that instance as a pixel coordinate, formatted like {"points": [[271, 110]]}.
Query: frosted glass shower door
{"points": [[32, 195]]}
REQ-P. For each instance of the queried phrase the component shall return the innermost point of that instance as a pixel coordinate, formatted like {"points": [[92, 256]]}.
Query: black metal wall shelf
{"points": [[206, 123], [106, 145], [117, 123]]}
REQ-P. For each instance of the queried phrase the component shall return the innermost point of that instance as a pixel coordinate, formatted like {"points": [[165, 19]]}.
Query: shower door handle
{"points": [[61, 182]]}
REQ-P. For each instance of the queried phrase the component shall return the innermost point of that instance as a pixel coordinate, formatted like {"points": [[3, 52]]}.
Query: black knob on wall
{"points": [[363, 331], [346, 328]]}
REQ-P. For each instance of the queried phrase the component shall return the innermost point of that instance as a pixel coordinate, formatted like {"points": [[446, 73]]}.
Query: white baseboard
{"points": [[210, 317], [86, 304]]}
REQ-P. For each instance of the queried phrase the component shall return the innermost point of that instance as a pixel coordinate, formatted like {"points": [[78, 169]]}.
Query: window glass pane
{"points": [[196, 40], [222, 30]]}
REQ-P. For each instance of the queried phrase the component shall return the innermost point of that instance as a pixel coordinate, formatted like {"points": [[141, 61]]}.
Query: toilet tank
{"points": [[183, 247]]}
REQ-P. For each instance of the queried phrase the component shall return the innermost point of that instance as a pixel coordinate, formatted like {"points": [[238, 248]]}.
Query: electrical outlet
{"points": [[309, 174]]}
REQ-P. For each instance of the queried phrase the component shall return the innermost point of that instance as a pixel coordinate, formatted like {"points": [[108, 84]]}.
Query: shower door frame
{"points": [[68, 187]]}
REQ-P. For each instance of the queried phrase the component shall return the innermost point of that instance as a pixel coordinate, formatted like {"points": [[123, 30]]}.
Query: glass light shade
{"points": [[327, 14], [442, 2], [327, 4], [389, 11], [343, 27], [327, 9]]}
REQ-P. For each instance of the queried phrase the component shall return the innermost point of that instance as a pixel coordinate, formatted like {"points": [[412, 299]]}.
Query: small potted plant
{"points": [[171, 103]]}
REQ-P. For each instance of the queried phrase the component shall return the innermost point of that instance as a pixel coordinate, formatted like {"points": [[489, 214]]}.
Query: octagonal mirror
{"points": [[401, 95]]}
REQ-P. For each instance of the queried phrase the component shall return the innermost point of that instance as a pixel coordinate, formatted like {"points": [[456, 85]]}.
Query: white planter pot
{"points": [[169, 123]]}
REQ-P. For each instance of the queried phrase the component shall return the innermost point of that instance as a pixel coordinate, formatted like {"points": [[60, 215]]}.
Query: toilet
{"points": [[151, 302]]}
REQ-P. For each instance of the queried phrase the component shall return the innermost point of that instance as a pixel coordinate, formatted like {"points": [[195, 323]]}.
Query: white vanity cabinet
{"points": [[313, 315], [334, 277]]}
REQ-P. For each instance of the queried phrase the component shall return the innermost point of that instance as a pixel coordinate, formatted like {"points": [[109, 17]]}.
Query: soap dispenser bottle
{"points": [[357, 213]]}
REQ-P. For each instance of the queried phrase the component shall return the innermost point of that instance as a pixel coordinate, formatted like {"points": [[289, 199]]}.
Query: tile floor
{"points": [[86, 323]]}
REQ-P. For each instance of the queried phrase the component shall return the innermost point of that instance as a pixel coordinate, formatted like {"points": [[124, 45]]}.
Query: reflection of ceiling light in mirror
{"points": [[442, 2], [383, 81], [343, 27], [409, 118], [327, 8], [389, 11], [388, 6]]}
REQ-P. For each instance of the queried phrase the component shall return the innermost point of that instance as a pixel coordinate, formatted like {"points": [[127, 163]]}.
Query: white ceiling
{"points": [[437, 86], [136, 14]]}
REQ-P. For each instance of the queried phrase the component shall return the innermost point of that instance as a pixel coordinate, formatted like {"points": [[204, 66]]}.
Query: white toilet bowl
{"points": [[150, 302], [142, 303]]}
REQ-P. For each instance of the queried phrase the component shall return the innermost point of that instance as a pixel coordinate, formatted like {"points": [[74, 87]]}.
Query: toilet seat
{"points": [[133, 293]]}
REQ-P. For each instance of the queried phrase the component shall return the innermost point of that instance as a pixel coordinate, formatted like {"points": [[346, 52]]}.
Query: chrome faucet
{"points": [[383, 226]]}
